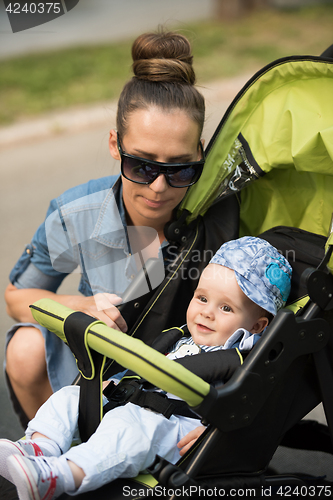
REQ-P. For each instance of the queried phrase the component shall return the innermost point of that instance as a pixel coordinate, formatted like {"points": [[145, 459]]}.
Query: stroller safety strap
{"points": [[329, 244], [131, 390]]}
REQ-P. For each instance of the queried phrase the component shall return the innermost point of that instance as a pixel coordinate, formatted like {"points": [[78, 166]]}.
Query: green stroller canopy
{"points": [[277, 132]]}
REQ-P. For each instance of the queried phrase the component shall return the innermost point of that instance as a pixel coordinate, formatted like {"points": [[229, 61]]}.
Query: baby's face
{"points": [[219, 308]]}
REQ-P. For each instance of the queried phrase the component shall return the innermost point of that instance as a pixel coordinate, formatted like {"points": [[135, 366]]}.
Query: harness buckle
{"points": [[122, 392]]}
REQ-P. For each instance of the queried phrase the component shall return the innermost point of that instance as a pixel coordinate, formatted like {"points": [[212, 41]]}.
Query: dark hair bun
{"points": [[164, 56]]}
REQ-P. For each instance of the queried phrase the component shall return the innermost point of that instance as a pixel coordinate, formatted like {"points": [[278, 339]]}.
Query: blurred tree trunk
{"points": [[231, 9]]}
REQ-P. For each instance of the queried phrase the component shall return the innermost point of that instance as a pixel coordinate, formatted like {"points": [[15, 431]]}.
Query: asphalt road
{"points": [[99, 21]]}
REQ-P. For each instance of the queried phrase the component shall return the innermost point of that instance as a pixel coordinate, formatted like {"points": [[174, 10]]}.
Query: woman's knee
{"points": [[25, 355]]}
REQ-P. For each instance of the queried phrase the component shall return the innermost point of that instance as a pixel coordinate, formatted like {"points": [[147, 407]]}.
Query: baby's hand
{"points": [[186, 442]]}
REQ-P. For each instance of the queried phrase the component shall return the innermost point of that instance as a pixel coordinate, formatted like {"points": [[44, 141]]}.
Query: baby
{"points": [[245, 284]]}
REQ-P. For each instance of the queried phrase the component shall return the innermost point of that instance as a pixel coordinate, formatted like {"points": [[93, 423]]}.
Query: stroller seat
{"points": [[264, 399]]}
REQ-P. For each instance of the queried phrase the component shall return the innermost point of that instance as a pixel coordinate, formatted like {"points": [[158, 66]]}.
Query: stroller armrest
{"points": [[127, 351]]}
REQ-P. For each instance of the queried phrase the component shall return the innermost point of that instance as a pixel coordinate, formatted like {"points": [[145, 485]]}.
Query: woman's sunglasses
{"points": [[142, 171]]}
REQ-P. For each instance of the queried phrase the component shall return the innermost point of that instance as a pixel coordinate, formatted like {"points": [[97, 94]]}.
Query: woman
{"points": [[160, 118]]}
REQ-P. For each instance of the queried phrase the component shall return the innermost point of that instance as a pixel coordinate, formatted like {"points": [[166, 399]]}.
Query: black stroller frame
{"points": [[236, 404], [286, 374]]}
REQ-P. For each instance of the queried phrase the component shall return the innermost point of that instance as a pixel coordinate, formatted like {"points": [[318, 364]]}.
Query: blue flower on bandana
{"points": [[279, 278]]}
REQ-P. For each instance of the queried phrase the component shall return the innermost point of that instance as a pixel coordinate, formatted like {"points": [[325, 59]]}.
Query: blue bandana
{"points": [[262, 273]]}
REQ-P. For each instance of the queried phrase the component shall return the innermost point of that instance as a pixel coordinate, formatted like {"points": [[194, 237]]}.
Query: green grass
{"points": [[38, 83], [227, 49]]}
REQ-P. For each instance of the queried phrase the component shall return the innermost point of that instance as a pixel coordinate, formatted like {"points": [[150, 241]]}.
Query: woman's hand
{"points": [[102, 306], [187, 441]]}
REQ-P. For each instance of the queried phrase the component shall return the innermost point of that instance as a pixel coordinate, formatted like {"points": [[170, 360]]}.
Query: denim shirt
{"points": [[85, 228]]}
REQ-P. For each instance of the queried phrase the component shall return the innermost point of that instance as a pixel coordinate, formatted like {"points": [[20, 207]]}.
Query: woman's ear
{"points": [[113, 146], [260, 325]]}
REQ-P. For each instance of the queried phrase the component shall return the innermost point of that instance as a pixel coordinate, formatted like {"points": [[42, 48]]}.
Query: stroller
{"points": [[269, 174]]}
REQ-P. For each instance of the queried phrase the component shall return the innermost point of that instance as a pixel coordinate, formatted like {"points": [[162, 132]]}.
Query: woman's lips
{"points": [[154, 204]]}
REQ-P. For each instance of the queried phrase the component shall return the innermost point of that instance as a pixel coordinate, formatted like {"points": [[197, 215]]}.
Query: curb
{"points": [[58, 122], [84, 117]]}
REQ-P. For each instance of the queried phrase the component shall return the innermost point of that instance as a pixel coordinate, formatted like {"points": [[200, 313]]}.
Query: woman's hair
{"points": [[163, 77]]}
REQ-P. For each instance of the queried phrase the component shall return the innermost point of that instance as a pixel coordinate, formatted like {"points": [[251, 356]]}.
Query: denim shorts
{"points": [[60, 362]]}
